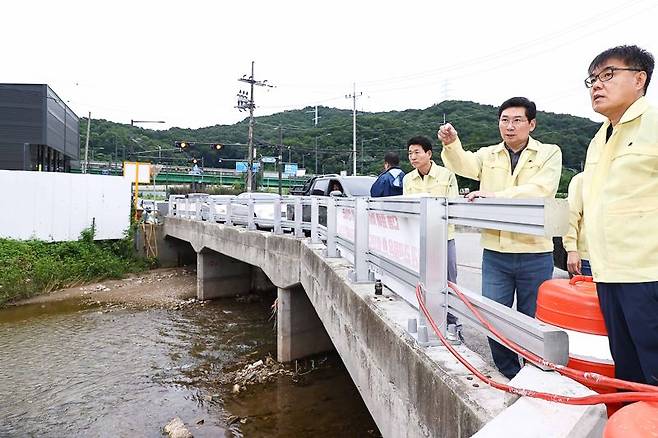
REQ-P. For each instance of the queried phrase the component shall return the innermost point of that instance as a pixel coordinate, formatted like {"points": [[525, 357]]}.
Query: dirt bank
{"points": [[159, 287]]}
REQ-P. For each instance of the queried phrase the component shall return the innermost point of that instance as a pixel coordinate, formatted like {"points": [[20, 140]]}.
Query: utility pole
{"points": [[316, 118], [87, 144], [353, 96], [316, 155], [362, 156], [278, 158], [246, 101]]}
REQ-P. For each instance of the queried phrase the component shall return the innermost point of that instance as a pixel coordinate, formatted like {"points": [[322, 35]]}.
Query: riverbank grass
{"points": [[32, 267]]}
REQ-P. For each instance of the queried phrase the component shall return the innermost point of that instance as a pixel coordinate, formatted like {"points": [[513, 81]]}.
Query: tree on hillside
{"points": [[377, 133]]}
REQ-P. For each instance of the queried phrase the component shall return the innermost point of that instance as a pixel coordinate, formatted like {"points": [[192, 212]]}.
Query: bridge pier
{"points": [[218, 275], [299, 331]]}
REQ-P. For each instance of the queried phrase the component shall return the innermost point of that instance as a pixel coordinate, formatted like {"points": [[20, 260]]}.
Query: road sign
{"points": [[137, 171], [268, 160], [241, 167], [291, 169]]}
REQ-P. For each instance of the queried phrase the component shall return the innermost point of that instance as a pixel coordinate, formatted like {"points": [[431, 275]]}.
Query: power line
{"points": [[501, 58]]}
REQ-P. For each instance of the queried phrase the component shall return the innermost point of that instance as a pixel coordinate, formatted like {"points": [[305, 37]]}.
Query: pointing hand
{"points": [[447, 134]]}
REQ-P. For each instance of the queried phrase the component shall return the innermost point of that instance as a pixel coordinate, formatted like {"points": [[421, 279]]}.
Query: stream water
{"points": [[68, 369]]}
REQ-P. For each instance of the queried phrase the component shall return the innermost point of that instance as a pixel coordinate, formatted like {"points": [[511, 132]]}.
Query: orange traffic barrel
{"points": [[638, 419], [573, 305]]}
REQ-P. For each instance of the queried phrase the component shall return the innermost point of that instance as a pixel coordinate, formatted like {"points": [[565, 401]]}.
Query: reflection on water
{"points": [[70, 370]]}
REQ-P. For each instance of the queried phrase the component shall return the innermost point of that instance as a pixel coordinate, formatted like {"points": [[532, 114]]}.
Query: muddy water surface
{"points": [[71, 369]]}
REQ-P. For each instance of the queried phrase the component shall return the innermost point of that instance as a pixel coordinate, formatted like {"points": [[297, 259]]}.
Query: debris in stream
{"points": [[176, 429], [258, 372], [269, 370]]}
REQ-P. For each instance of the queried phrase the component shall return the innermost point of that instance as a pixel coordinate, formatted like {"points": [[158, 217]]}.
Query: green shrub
{"points": [[31, 267]]}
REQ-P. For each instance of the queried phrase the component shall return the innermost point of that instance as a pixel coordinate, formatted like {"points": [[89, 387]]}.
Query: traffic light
{"points": [[217, 146], [182, 144]]}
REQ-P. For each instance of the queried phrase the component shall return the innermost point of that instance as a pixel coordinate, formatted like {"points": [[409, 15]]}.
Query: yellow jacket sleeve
{"points": [[544, 183], [570, 240], [464, 163], [453, 187]]}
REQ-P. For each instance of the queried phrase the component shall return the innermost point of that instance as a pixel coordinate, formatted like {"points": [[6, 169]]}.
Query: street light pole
{"points": [[86, 164], [362, 151]]}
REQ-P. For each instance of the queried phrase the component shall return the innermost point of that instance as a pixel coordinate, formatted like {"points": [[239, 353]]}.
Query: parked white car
{"points": [[263, 207], [220, 202]]}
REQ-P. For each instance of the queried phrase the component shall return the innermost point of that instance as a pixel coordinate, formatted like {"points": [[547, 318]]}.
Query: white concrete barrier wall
{"points": [[55, 206]]}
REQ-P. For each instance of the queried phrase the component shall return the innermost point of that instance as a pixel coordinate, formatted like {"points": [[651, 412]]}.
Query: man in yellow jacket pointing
{"points": [[518, 167], [620, 194]]}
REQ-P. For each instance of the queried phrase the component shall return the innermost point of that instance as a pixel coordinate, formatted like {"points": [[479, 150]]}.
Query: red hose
{"points": [[642, 394], [581, 376]]}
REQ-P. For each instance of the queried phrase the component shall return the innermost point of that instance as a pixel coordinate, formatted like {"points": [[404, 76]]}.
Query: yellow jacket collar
{"points": [[635, 110], [434, 172], [532, 144]]}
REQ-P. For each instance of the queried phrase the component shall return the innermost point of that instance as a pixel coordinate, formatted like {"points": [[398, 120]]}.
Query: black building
{"points": [[38, 131]]}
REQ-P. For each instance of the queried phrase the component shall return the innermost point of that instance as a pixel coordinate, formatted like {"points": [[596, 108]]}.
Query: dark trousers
{"points": [[503, 275], [585, 267], [630, 311]]}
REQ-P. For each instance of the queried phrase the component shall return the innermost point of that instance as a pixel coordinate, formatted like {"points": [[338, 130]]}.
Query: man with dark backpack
{"points": [[389, 182]]}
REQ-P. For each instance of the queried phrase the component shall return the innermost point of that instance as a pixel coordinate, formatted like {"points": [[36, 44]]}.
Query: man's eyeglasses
{"points": [[606, 74], [516, 121]]}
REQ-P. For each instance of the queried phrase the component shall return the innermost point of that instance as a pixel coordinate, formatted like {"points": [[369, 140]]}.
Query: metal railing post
{"points": [[211, 210], [251, 225], [197, 209], [171, 211], [298, 217], [360, 270], [332, 250], [277, 216], [434, 258], [229, 213], [315, 220]]}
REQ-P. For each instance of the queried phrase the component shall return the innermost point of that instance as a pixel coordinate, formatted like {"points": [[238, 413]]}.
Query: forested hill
{"points": [[376, 133]]}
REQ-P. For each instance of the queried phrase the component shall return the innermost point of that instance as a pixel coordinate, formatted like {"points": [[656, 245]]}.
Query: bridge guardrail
{"points": [[403, 241]]}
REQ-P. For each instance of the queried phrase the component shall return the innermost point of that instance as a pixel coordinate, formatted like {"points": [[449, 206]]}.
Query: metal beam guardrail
{"points": [[403, 242]]}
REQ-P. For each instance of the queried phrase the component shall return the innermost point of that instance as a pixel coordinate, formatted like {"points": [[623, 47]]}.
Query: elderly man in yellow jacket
{"points": [[620, 193], [518, 167]]}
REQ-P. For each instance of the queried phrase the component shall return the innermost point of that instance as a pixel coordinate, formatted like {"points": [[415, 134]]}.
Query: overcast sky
{"points": [[179, 61]]}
